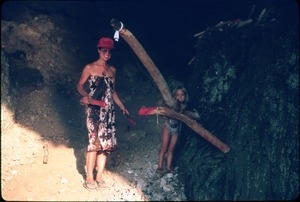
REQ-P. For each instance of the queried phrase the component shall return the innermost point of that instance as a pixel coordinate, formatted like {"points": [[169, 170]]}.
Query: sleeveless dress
{"points": [[100, 121]]}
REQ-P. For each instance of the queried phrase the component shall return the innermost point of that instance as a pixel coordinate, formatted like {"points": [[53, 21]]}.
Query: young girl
{"points": [[171, 130]]}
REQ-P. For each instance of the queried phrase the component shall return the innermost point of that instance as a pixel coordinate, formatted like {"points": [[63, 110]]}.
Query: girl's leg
{"points": [[164, 145], [171, 147], [90, 165], [101, 162]]}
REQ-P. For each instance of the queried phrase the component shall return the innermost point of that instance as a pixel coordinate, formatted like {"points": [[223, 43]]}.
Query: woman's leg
{"points": [[164, 145], [171, 147], [92, 126], [101, 162], [90, 165]]}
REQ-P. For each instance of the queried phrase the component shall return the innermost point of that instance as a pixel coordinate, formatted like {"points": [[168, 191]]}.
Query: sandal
{"points": [[159, 171], [171, 171], [90, 186], [101, 184]]}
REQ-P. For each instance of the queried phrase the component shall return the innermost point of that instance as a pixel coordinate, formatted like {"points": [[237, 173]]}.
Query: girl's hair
{"points": [[184, 104], [183, 90]]}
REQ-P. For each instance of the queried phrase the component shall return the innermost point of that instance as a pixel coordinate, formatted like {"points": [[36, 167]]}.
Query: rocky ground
{"points": [[49, 122], [130, 173]]}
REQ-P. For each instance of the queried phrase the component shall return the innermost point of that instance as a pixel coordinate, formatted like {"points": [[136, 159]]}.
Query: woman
{"points": [[100, 120], [170, 132]]}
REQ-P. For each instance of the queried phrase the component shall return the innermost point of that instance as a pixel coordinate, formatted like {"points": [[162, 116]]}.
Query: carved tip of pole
{"points": [[116, 24]]}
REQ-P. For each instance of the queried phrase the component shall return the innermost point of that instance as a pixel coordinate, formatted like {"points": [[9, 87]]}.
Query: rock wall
{"points": [[245, 84], [8, 95]]}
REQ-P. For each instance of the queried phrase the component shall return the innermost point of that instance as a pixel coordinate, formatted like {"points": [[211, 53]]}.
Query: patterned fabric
{"points": [[173, 126], [100, 121]]}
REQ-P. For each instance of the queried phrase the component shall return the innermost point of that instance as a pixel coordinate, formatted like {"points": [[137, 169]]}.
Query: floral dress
{"points": [[100, 121]]}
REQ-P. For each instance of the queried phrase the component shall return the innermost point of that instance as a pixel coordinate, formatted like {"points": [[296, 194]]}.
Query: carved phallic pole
{"points": [[163, 87]]}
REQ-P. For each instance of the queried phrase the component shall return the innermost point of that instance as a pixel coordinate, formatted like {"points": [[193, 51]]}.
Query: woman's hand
{"points": [[124, 111], [84, 100]]}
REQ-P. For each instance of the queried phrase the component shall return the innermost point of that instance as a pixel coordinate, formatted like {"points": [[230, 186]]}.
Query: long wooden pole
{"points": [[146, 60], [163, 87]]}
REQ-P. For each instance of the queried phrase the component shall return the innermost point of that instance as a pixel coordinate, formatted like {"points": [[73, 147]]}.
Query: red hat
{"points": [[105, 43]]}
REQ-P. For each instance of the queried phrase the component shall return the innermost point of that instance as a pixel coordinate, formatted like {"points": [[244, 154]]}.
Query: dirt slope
{"points": [[49, 114], [130, 173]]}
